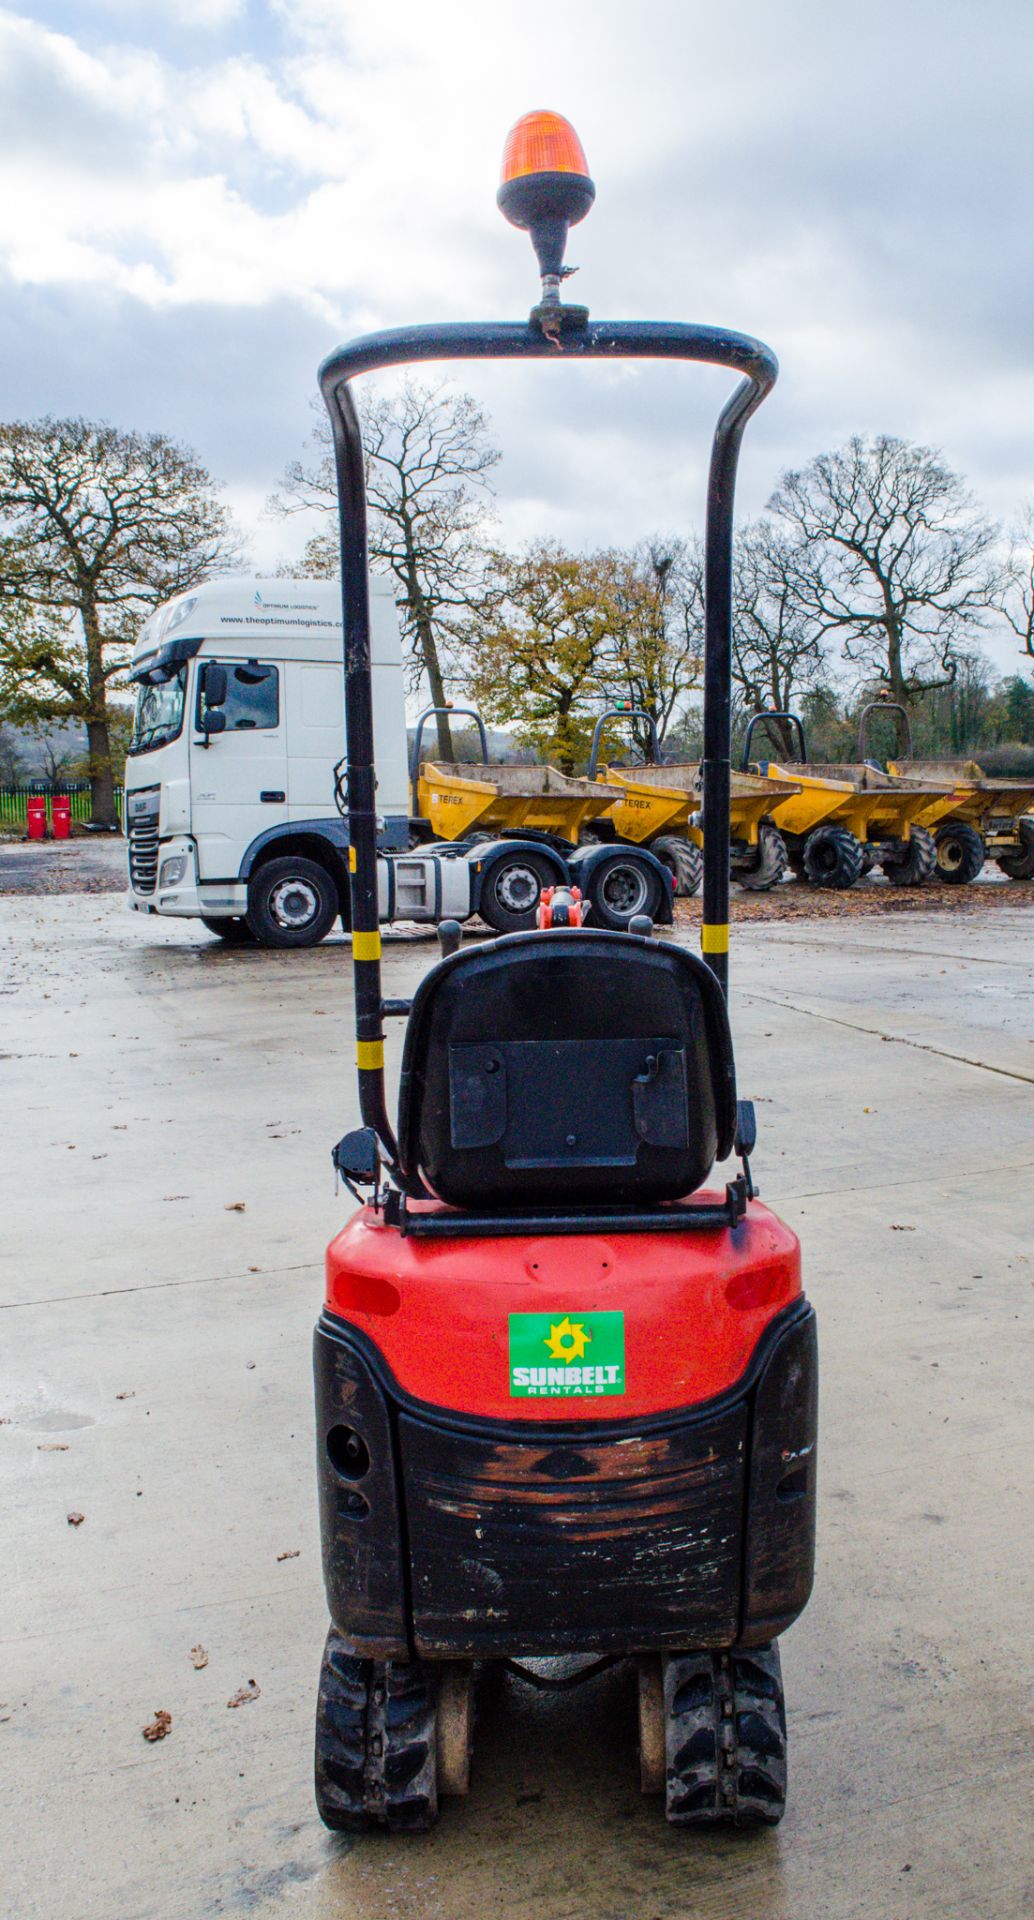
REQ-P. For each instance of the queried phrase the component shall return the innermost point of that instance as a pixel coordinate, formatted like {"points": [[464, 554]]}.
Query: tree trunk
{"points": [[898, 689], [102, 780], [432, 668], [428, 648]]}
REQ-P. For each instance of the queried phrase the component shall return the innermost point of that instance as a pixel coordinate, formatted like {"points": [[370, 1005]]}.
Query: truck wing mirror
{"points": [[213, 688], [212, 722]]}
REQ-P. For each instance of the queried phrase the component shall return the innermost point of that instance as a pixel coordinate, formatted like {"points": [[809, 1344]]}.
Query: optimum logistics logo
{"points": [[554, 1356]]}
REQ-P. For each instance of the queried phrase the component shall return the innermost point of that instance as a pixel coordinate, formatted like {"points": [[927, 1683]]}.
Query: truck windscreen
{"points": [[159, 712]]}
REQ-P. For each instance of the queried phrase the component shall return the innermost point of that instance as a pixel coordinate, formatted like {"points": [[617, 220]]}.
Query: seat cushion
{"points": [[570, 1066]]}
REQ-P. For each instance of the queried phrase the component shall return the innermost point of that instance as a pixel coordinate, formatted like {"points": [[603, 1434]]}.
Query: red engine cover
{"points": [[685, 1312]]}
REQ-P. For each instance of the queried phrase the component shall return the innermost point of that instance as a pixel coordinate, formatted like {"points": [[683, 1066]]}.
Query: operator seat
{"points": [[570, 1067]]}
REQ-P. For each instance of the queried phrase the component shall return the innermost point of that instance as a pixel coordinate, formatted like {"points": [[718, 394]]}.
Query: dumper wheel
{"points": [[770, 864], [918, 862], [683, 859], [376, 1745], [725, 1738], [833, 857], [1020, 866], [960, 854]]}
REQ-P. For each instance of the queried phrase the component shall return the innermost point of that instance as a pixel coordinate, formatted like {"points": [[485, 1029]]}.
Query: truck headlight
{"points": [[172, 870]]}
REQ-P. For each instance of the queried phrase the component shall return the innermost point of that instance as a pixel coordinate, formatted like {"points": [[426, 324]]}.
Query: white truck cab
{"points": [[231, 809], [239, 724]]}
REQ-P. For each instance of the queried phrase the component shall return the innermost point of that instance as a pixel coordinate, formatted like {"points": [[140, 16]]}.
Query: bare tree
{"points": [[893, 555], [657, 643], [1017, 601], [428, 462], [97, 527], [777, 652]]}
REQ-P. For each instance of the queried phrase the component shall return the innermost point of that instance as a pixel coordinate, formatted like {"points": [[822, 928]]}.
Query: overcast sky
{"points": [[200, 199]]}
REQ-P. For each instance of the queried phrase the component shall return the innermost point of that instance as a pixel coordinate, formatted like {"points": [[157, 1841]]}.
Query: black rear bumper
{"points": [[453, 1537]]}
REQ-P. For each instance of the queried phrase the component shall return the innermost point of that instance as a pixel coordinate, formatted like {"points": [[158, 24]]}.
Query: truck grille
{"points": [[143, 855]]}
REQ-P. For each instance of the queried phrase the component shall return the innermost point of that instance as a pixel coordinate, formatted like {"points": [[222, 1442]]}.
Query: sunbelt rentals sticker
{"points": [[559, 1355]]}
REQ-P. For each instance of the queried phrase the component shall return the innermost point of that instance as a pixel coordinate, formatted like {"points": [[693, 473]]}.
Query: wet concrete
{"points": [[155, 1378]]}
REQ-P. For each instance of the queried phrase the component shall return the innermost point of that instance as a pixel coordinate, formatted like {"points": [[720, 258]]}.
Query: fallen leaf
{"points": [[234, 1206], [130, 1394], [897, 1229], [291, 1554], [75, 1519], [199, 1655], [53, 1446], [157, 1728], [249, 1691]]}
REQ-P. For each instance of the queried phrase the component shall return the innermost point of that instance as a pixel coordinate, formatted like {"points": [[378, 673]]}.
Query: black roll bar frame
{"points": [[579, 339], [904, 725], [621, 713], [773, 713], [431, 713]]}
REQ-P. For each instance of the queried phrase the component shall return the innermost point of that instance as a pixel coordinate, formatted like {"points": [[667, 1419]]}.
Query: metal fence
{"points": [[14, 800]]}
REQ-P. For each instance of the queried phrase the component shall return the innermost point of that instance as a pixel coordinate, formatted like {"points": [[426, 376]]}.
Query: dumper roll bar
{"points": [[621, 713], [576, 338], [431, 713], [773, 713], [904, 728]]}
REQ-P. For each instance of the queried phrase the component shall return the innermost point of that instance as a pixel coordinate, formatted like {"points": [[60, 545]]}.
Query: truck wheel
{"points": [[375, 1743], [621, 887], [233, 932], [683, 859], [832, 857], [917, 863], [770, 864], [725, 1738], [512, 890], [960, 854], [1020, 866], [292, 902]]}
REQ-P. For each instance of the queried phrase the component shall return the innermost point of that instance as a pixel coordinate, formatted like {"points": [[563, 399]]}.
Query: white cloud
{"points": [[852, 188]]}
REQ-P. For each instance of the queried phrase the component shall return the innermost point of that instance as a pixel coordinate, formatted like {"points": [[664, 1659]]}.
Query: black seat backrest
{"points": [[566, 1067]]}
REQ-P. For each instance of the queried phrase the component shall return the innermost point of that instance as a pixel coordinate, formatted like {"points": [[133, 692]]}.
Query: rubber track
{"points": [[725, 1738], [375, 1743]]}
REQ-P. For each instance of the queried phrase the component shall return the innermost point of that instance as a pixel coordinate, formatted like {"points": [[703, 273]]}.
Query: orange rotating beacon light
{"points": [[546, 189]]}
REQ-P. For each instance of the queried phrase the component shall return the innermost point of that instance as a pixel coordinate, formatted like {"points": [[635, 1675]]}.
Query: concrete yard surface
{"points": [[166, 1198]]}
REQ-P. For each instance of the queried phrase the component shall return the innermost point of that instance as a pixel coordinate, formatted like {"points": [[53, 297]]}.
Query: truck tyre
{"points": [[1020, 866], [512, 890], [960, 854], [832, 857], [918, 862], [292, 902], [620, 888], [231, 931], [683, 859], [770, 863]]}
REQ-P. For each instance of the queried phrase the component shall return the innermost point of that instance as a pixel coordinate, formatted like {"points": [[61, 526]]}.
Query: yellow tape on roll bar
{"points": [[366, 946]]}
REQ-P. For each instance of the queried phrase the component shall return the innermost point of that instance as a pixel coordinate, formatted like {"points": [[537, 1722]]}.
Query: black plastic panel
{"points": [[575, 1545]]}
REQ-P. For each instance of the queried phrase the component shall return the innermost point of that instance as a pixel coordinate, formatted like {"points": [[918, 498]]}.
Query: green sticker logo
{"points": [[556, 1355]]}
